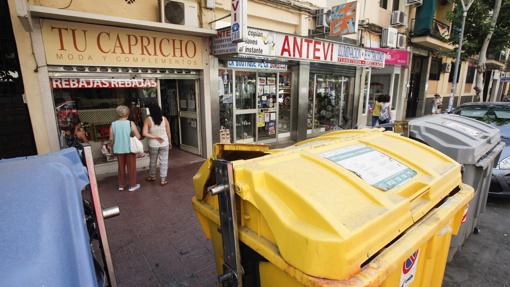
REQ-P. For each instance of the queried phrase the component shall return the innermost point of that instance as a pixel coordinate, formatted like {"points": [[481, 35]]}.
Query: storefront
{"points": [[94, 68], [387, 81], [257, 93]]}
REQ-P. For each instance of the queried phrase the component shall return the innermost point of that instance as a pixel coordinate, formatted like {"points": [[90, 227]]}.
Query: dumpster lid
{"points": [[332, 205], [464, 139], [44, 237]]}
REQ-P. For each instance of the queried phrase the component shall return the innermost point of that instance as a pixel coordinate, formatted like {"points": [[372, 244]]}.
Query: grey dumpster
{"points": [[476, 145]]}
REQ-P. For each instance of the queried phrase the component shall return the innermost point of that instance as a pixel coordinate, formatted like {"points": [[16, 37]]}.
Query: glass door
{"points": [[245, 112], [189, 127], [267, 107]]}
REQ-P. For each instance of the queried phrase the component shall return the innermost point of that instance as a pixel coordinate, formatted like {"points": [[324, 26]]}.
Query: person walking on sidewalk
{"points": [[157, 129], [121, 131], [376, 111]]}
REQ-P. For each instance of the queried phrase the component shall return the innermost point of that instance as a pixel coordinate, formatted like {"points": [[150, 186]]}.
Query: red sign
{"points": [[103, 83], [395, 56]]}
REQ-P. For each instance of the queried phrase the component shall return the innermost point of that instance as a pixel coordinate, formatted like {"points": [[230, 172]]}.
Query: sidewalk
{"points": [[156, 240]]}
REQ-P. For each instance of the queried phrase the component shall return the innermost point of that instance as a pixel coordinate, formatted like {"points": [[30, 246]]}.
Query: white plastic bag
{"points": [[135, 145]]}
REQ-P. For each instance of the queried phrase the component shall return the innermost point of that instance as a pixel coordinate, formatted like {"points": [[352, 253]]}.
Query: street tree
{"points": [[487, 30]]}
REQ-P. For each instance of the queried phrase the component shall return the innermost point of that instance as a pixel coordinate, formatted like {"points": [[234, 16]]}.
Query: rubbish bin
{"points": [[475, 145], [366, 210]]}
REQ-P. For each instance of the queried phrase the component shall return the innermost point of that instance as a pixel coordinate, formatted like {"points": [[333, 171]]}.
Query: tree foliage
{"points": [[478, 25]]}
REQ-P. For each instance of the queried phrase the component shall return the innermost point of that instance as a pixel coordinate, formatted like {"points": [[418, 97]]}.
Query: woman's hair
{"points": [[383, 98], [122, 111], [156, 114]]}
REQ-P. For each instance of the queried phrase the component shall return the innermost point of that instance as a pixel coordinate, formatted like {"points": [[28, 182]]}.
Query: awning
{"points": [[274, 45]]}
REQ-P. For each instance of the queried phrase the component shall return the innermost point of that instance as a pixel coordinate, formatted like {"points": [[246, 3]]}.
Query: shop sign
{"points": [[69, 43], [268, 44], [102, 83], [395, 56], [256, 65], [239, 17]]}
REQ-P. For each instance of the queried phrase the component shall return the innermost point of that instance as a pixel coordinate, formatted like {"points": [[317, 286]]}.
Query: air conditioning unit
{"points": [[389, 38], [414, 2], [446, 67], [398, 18], [363, 22], [401, 41], [180, 12], [322, 18]]}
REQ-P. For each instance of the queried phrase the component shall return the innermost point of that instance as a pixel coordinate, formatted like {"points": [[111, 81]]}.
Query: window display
{"points": [[226, 87], [92, 107], [284, 102], [267, 101]]}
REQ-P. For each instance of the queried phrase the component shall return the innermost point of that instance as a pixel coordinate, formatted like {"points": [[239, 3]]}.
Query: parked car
{"points": [[496, 114]]}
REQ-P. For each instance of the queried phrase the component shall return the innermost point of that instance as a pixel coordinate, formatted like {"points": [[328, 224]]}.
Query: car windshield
{"points": [[495, 115]]}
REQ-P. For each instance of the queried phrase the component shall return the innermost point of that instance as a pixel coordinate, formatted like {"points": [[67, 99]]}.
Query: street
{"points": [[157, 241]]}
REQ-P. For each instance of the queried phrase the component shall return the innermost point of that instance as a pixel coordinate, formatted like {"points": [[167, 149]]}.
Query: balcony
{"points": [[432, 35]]}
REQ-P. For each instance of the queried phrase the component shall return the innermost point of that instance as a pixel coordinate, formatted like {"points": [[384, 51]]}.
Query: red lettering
{"points": [[308, 42], [161, 47], [193, 47], [73, 32], [99, 42], [60, 37], [235, 5], [145, 42], [297, 50], [285, 47], [118, 45], [331, 52], [316, 50], [325, 50]]}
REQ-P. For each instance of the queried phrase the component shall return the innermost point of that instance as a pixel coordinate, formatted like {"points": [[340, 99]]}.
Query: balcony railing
{"points": [[437, 29]]}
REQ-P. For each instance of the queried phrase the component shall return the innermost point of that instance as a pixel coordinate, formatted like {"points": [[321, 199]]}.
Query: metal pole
{"points": [[457, 63]]}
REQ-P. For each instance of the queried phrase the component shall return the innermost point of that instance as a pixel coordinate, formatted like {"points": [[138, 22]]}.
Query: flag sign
{"points": [[239, 16]]}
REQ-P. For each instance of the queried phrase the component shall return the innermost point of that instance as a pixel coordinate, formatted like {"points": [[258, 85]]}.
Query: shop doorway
{"points": [[179, 102], [16, 135], [419, 62]]}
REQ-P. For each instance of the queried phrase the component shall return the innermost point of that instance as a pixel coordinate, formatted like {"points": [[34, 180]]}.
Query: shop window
{"points": [[329, 102], [89, 104], [435, 69], [470, 77], [284, 100], [383, 4], [450, 77], [396, 5], [245, 90], [225, 92]]}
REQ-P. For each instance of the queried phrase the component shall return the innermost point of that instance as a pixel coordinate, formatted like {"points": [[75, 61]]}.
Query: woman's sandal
{"points": [[151, 178], [164, 181]]}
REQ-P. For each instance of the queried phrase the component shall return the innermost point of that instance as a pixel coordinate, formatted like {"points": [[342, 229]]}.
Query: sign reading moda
{"points": [[69, 43], [268, 44]]}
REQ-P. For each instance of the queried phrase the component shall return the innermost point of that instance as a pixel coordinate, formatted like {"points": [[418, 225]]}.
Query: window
{"points": [[435, 69], [470, 77], [383, 4], [452, 71], [396, 5]]}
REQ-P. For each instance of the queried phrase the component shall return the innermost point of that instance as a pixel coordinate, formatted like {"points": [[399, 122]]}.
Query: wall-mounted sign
{"points": [[256, 65], [395, 56], [102, 83], [268, 44], [69, 43], [343, 19], [239, 17]]}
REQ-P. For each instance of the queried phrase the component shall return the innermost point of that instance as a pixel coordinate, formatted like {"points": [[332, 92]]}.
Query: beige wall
{"points": [[42, 119]]}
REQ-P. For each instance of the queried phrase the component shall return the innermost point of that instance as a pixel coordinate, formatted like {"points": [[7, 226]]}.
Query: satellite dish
{"points": [[174, 12]]}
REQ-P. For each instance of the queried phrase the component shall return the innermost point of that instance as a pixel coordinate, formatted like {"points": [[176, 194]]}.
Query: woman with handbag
{"points": [[157, 129], [125, 137]]}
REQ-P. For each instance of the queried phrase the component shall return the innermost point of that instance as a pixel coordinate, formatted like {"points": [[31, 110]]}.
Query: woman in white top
{"points": [[157, 130]]}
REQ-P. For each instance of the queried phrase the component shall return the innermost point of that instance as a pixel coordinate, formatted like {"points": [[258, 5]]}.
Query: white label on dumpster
{"points": [[462, 128], [375, 167], [409, 269]]}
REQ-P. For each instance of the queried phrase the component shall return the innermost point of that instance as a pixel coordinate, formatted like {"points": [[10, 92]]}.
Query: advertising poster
{"points": [[343, 19]]}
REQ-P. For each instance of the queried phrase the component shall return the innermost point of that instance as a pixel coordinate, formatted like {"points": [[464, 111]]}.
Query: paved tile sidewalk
{"points": [[156, 240]]}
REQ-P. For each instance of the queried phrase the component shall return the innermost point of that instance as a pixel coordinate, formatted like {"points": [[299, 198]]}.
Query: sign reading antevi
{"points": [[69, 43], [268, 44]]}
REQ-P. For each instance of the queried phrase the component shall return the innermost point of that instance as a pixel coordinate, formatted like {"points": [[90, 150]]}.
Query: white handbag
{"points": [[135, 145]]}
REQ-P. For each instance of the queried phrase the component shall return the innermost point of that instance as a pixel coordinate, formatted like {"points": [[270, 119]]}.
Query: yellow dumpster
{"points": [[360, 209]]}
